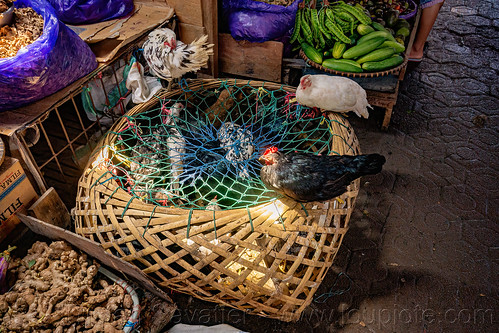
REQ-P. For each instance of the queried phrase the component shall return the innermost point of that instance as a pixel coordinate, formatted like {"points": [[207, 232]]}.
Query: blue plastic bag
{"points": [[57, 58], [257, 21], [90, 11]]}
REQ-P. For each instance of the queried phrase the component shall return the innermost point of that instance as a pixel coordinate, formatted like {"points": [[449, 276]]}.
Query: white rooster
{"points": [[169, 58], [332, 93]]}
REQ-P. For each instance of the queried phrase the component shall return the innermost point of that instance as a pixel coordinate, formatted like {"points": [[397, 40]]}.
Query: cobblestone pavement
{"points": [[423, 248]]}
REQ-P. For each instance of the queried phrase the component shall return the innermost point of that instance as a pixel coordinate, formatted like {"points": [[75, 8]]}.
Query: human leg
{"points": [[428, 18]]}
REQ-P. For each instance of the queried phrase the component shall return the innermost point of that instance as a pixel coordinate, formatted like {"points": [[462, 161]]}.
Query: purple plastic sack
{"points": [[90, 11], [57, 58], [256, 21]]}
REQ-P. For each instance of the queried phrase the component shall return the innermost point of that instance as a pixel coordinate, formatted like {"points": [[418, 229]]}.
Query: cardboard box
{"points": [[108, 37], [16, 194]]}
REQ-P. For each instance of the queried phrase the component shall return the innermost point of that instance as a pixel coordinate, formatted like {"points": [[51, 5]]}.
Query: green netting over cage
{"points": [[200, 149], [151, 194]]}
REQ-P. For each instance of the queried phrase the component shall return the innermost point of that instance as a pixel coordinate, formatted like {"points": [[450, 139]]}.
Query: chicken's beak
{"points": [[262, 160]]}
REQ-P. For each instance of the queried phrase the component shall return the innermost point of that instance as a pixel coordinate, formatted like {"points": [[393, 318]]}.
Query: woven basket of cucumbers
{"points": [[342, 39]]}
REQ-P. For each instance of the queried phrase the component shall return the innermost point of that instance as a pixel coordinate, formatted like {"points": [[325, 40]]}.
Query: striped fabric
{"points": [[428, 3]]}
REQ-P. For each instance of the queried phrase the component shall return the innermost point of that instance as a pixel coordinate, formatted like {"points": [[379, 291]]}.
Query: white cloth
{"points": [[143, 87], [221, 328]]}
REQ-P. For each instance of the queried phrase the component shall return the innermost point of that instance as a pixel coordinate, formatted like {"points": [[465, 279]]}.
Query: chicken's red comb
{"points": [[270, 150]]}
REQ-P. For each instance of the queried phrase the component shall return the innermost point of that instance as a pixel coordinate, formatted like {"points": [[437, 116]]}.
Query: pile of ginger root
{"points": [[58, 290]]}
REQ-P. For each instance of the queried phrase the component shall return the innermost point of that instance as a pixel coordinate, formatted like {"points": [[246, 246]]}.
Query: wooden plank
{"points": [[256, 60], [93, 249], [210, 20], [189, 32], [50, 208], [188, 11]]}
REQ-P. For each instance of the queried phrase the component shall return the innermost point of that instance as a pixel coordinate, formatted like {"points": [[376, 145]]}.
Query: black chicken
{"points": [[307, 177]]}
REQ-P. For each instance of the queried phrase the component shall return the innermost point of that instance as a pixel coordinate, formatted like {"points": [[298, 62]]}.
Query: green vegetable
{"points": [[300, 40], [363, 48], [296, 30], [338, 49], [376, 34], [314, 18], [403, 31], [400, 39], [397, 46], [307, 31], [391, 17], [327, 54], [383, 64], [349, 61], [333, 27], [341, 66], [312, 53], [378, 26], [364, 29], [401, 23], [344, 25], [356, 12], [343, 14], [322, 27], [322, 41], [377, 55]]}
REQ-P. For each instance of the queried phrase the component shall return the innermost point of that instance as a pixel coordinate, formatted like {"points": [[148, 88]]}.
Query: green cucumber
{"points": [[341, 66], [376, 66], [385, 34], [312, 53], [378, 26], [364, 48], [338, 49], [349, 61], [377, 55], [397, 46], [364, 29]]}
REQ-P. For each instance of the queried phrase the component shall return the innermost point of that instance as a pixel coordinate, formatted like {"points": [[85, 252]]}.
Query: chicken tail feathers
{"points": [[198, 52], [368, 164], [361, 106]]}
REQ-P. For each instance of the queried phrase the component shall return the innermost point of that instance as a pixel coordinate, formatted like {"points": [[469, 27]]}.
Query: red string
{"points": [[310, 113], [133, 127]]}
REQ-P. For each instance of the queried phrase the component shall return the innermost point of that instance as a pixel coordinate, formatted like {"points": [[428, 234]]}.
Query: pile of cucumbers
{"points": [[342, 37]]}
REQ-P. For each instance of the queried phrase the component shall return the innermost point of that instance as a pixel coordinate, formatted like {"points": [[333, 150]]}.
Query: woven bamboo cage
{"points": [[268, 258]]}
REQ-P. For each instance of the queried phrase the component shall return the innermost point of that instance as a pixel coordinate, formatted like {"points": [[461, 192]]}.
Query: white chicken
{"points": [[176, 145], [332, 93], [169, 58]]}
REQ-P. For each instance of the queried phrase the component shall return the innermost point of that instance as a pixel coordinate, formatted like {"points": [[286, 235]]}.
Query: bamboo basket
{"points": [[268, 259]]}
